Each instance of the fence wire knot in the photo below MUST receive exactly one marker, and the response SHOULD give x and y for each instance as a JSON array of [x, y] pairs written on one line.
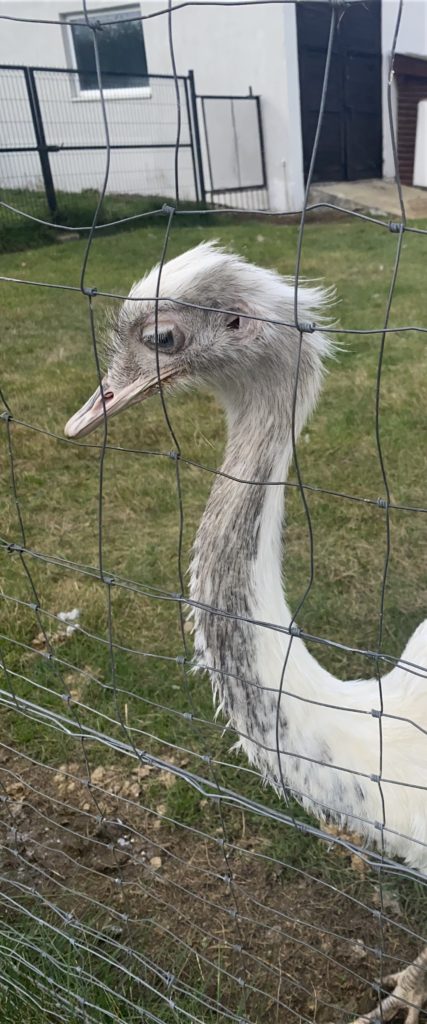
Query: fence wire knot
[[306, 326]]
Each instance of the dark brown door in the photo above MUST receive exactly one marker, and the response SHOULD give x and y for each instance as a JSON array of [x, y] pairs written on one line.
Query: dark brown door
[[350, 144]]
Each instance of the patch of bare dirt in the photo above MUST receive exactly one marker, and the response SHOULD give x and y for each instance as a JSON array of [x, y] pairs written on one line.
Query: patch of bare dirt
[[228, 922]]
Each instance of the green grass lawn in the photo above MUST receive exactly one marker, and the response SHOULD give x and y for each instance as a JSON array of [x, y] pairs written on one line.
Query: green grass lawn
[[74, 210], [48, 370]]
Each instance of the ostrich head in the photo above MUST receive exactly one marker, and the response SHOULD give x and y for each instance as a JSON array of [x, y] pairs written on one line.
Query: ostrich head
[[237, 354]]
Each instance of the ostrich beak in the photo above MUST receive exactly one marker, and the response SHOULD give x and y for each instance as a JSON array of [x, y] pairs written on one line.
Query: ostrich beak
[[91, 414]]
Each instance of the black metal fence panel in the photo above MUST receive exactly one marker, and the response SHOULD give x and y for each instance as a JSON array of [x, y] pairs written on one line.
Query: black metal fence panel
[[52, 134], [52, 139]]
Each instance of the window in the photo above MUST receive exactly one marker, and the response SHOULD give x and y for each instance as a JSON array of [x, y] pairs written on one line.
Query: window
[[121, 50]]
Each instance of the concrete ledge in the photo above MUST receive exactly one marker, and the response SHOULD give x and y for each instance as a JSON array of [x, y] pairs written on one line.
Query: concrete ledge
[[376, 196]]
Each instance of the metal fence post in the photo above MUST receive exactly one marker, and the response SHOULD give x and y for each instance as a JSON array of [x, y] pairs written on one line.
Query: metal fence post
[[42, 148], [191, 132], [261, 139], [198, 148]]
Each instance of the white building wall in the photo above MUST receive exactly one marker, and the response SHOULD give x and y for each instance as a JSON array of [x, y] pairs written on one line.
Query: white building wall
[[230, 49]]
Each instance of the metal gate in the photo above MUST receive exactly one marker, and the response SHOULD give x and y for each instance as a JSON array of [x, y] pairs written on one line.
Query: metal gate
[[48, 142], [234, 151]]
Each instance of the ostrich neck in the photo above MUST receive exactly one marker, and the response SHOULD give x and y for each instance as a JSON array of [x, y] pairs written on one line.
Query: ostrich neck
[[328, 739], [237, 569]]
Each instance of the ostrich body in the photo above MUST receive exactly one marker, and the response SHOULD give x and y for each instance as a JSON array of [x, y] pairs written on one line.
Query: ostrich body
[[329, 749]]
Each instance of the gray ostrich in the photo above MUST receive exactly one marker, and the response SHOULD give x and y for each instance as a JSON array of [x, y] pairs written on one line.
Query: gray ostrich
[[328, 757]]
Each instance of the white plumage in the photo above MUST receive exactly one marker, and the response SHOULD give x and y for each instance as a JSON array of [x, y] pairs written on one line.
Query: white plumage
[[329, 729]]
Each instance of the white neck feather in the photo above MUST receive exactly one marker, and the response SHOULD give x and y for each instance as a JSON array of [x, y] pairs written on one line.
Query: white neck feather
[[328, 753]]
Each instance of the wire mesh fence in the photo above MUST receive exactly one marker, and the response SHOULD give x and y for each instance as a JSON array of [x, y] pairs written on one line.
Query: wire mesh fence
[[237, 118], [147, 871], [53, 135], [52, 140]]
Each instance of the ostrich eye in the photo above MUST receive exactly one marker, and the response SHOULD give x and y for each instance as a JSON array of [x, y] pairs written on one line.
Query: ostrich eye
[[167, 340]]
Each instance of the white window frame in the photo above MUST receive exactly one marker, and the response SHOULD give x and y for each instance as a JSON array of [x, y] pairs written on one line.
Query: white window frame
[[88, 95]]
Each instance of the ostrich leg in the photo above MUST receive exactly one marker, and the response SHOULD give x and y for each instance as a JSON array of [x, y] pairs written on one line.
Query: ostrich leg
[[409, 994]]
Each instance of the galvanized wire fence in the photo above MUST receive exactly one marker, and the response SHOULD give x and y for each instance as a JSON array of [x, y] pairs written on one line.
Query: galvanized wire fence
[[117, 903], [53, 140]]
